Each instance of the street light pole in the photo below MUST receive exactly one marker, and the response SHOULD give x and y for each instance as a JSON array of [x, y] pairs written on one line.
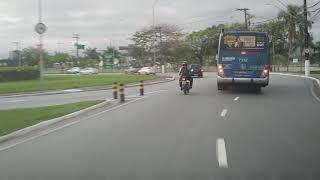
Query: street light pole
[[155, 32], [40, 46]]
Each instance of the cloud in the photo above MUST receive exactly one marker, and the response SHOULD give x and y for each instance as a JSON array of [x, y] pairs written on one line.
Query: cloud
[[100, 21], [9, 19]]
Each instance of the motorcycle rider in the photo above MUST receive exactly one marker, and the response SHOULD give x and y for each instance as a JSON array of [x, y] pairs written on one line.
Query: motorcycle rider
[[184, 71]]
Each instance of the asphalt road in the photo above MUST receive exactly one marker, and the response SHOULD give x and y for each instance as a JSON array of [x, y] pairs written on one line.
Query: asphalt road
[[167, 135]]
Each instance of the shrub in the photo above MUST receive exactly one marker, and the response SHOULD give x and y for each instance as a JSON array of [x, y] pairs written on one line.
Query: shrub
[[18, 73]]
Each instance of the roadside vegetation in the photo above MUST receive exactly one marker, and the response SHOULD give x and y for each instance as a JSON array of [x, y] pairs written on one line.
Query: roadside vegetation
[[60, 82], [15, 119]]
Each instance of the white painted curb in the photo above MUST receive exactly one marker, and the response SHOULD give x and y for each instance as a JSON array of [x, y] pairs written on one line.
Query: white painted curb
[[81, 90], [47, 123]]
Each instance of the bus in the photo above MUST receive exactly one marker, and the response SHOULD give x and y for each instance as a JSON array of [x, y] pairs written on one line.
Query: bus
[[244, 58]]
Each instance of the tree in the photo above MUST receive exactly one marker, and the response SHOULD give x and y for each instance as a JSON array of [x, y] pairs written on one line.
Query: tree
[[316, 56], [91, 53], [160, 38], [30, 56], [293, 20], [59, 58]]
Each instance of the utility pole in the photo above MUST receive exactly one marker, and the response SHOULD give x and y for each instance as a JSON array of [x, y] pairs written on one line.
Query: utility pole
[[245, 15], [306, 38], [76, 36], [18, 52]]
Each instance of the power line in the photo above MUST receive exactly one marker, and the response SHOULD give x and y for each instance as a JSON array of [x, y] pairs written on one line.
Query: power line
[[315, 10], [283, 4], [314, 16], [314, 5]]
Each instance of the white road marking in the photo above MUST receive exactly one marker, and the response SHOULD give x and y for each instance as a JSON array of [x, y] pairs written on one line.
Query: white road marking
[[224, 112], [72, 90], [236, 99], [13, 101], [221, 153], [146, 93], [67, 125]]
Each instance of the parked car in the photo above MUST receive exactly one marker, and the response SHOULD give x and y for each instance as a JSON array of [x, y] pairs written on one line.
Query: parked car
[[131, 70], [89, 71], [147, 70], [74, 70], [196, 70]]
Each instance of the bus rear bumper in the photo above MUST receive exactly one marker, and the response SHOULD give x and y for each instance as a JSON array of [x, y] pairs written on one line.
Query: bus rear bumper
[[258, 81]]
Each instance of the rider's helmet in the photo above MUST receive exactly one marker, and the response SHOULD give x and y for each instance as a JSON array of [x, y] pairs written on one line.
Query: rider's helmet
[[185, 64]]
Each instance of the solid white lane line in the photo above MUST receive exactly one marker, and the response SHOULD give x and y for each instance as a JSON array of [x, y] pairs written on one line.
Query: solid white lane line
[[236, 99], [13, 101], [224, 112], [221, 153]]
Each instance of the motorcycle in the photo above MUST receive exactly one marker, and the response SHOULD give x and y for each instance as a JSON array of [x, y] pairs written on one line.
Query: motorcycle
[[185, 85]]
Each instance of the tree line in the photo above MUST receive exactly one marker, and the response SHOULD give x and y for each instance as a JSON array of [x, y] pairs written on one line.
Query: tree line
[[166, 43]]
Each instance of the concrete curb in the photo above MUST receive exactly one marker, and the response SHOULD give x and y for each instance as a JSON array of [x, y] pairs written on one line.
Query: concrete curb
[[79, 90], [306, 77], [301, 76], [47, 123]]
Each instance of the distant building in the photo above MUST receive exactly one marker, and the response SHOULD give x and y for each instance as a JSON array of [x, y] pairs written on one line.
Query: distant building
[[8, 62]]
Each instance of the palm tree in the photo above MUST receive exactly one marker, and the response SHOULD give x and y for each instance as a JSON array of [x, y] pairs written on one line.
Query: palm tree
[[294, 22]]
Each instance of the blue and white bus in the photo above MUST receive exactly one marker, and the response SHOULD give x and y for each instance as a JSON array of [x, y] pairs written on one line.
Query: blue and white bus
[[244, 57]]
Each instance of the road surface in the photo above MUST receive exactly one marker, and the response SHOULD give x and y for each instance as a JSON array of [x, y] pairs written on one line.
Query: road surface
[[167, 135]]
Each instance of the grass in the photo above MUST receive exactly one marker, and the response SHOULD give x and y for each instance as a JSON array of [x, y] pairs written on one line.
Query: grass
[[15, 119], [60, 82]]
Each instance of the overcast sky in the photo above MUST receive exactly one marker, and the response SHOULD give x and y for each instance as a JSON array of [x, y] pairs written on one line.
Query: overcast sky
[[103, 22]]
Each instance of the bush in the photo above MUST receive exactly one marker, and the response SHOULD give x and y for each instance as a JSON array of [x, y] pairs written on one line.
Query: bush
[[18, 73], [315, 72]]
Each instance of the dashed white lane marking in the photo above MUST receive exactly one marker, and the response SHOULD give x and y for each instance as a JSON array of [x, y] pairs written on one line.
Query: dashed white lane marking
[[221, 153], [224, 113], [236, 99], [13, 101]]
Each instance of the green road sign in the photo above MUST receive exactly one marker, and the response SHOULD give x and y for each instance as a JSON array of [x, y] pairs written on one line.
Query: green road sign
[[108, 66], [80, 46]]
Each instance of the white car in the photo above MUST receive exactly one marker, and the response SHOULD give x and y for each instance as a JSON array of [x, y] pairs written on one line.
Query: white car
[[74, 70], [147, 70], [89, 71]]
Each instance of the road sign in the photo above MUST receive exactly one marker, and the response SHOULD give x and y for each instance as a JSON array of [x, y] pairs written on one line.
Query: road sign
[[108, 66], [80, 46], [40, 28], [307, 51], [295, 60]]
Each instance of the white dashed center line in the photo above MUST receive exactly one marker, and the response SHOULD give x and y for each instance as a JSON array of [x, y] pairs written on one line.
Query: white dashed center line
[[236, 99], [224, 113], [221, 153]]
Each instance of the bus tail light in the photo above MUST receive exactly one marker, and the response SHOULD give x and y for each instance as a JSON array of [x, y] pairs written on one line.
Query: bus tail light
[[220, 70], [265, 71]]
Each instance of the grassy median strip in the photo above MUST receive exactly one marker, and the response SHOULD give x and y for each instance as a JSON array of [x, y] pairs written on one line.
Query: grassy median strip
[[60, 82], [15, 119]]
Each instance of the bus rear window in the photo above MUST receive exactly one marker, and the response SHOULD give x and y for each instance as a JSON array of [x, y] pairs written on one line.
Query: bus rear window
[[243, 42]]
